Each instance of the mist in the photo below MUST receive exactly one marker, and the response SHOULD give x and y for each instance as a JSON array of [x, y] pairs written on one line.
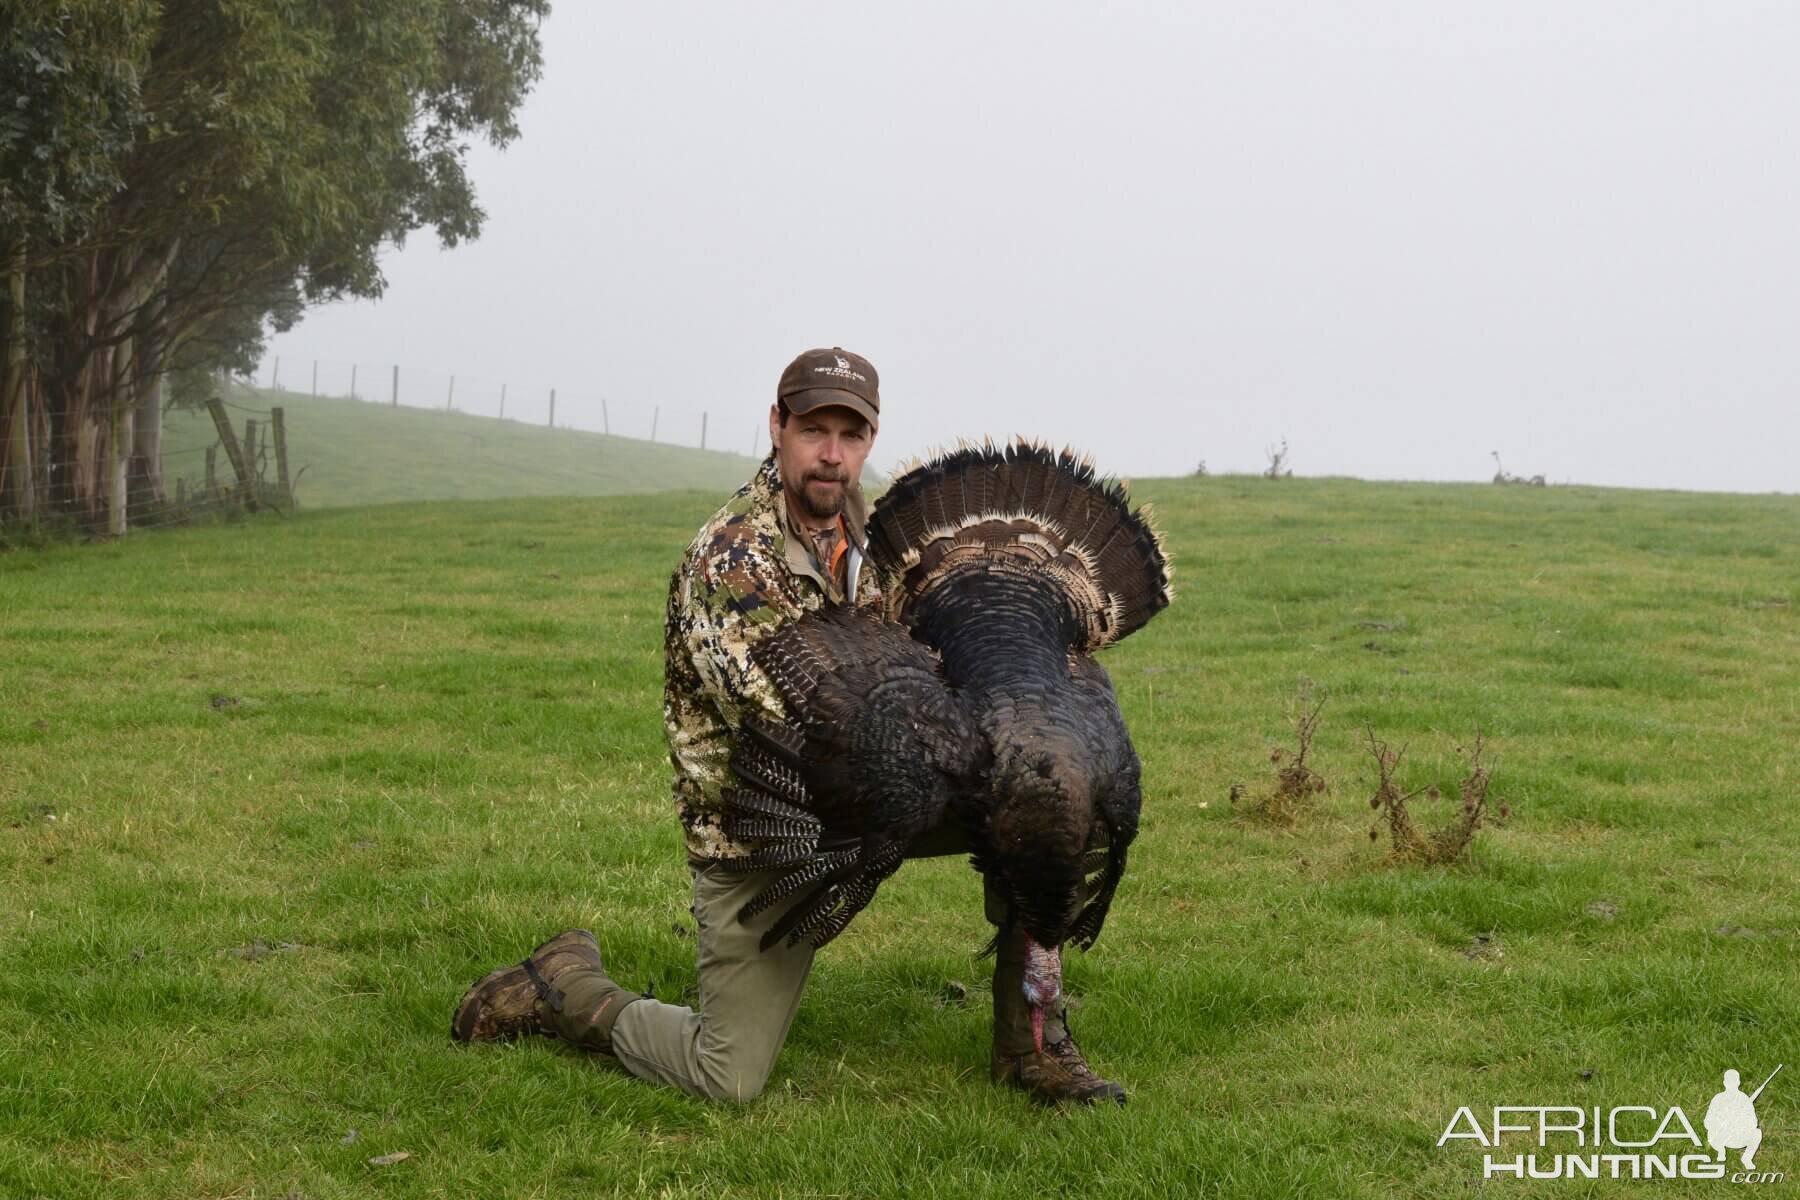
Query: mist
[[1400, 236]]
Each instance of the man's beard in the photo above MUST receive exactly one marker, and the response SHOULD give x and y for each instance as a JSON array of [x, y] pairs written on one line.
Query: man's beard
[[826, 509]]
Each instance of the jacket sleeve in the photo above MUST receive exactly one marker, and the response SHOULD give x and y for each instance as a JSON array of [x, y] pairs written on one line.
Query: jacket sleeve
[[735, 598]]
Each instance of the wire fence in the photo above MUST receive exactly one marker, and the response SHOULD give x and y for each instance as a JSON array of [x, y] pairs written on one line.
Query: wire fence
[[672, 421], [498, 439], [61, 468]]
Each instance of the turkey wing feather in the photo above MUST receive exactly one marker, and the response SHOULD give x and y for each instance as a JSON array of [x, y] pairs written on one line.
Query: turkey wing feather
[[875, 750]]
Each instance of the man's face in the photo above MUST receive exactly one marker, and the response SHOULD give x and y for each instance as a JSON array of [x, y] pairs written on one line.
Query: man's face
[[820, 454]]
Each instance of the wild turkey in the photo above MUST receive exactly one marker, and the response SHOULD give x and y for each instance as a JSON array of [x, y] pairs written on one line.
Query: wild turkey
[[978, 697]]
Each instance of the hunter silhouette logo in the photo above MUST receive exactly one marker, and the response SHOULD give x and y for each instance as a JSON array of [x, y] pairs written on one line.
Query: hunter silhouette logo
[[1731, 1120], [1630, 1141]]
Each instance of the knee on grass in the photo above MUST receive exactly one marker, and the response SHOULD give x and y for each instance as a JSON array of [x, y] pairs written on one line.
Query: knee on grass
[[734, 1080]]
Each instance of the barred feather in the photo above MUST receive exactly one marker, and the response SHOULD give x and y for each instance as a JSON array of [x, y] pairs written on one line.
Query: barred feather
[[769, 829], [825, 916], [803, 919], [1093, 916], [780, 854], [810, 872], [751, 802], [756, 765], [806, 659]]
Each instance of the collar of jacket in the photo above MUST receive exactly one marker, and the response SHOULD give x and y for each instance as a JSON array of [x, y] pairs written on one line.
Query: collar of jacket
[[793, 539]]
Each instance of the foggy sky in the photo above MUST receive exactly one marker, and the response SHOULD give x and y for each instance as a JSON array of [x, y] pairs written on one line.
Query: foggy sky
[[1400, 235]]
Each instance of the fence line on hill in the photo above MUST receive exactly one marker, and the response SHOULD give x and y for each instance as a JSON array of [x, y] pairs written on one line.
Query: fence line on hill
[[671, 422], [148, 485], [73, 474]]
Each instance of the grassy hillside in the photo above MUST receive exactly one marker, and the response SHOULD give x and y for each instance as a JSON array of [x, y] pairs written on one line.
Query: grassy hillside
[[356, 452], [274, 793]]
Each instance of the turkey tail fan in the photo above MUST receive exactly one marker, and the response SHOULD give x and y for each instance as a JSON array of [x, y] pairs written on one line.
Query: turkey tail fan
[[1045, 511]]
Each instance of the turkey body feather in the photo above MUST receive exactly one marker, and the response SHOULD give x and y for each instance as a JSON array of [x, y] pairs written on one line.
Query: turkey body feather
[[977, 700]]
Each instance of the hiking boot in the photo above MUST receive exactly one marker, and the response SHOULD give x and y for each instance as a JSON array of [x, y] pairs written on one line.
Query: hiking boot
[[1087, 1086], [507, 1003], [1039, 1057]]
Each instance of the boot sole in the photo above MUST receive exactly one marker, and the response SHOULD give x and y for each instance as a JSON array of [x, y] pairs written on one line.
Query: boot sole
[[1115, 1093]]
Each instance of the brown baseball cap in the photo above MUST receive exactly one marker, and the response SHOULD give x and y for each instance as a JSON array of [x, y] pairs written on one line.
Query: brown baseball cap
[[824, 377]]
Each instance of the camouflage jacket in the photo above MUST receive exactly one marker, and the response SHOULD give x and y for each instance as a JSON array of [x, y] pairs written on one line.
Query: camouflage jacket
[[745, 573]]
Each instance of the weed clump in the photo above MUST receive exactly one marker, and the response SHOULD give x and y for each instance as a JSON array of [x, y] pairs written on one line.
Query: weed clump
[[1502, 475], [1296, 783], [1449, 842], [1278, 467]]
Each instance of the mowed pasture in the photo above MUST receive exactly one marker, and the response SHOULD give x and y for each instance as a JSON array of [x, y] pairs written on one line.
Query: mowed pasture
[[273, 793]]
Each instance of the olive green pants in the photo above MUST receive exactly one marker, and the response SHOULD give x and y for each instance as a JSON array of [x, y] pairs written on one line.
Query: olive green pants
[[748, 996]]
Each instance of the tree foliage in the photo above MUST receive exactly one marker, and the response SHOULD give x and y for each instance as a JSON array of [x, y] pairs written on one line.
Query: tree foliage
[[178, 175], [68, 111]]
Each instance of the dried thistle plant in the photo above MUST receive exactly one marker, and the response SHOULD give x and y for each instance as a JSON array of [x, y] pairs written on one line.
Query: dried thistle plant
[[1450, 841], [1296, 783]]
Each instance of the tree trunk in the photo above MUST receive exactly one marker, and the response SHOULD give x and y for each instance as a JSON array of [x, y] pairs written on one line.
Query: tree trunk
[[20, 494], [91, 448], [148, 489], [118, 440], [68, 457]]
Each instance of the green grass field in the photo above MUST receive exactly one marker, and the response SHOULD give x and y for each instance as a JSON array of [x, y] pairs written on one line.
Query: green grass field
[[353, 452], [274, 793]]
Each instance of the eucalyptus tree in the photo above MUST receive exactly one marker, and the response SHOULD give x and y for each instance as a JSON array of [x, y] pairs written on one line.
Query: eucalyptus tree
[[69, 74], [273, 148]]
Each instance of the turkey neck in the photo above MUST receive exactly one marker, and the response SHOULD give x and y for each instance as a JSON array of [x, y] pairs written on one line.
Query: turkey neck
[[1022, 634]]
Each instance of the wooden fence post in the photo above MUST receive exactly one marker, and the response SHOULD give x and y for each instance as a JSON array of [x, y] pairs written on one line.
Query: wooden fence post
[[396, 392], [450, 400], [279, 419], [233, 451], [250, 447], [503, 402], [275, 379], [655, 416], [315, 377], [212, 471], [553, 408], [703, 417], [605, 417]]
